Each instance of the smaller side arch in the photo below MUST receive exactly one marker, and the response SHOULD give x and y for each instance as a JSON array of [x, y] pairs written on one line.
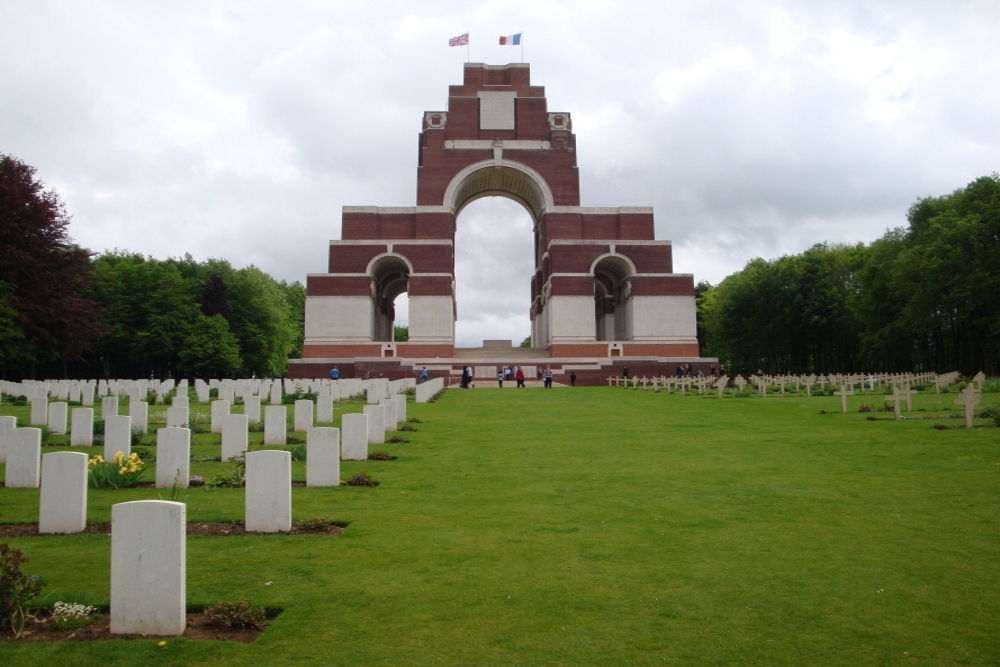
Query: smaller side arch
[[390, 275]]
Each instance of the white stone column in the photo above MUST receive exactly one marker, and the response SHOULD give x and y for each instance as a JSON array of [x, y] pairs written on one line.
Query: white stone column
[[117, 436], [81, 432], [24, 454], [62, 506], [148, 568], [354, 445], [275, 425], [235, 436], [269, 492], [323, 456], [173, 457], [376, 424]]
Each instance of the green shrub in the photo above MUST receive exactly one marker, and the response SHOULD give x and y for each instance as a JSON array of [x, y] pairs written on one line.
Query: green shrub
[[255, 427], [406, 427], [16, 589], [238, 614], [381, 455], [362, 479], [235, 478], [298, 452], [145, 454], [98, 427]]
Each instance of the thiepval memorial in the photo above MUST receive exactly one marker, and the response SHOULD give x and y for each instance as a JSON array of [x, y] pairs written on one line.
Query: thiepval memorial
[[604, 295]]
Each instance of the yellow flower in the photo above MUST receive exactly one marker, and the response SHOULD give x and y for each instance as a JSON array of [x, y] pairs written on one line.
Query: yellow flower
[[162, 643], [119, 458], [123, 470]]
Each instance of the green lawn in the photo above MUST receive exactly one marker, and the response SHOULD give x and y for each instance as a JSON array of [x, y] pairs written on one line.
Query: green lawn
[[599, 526]]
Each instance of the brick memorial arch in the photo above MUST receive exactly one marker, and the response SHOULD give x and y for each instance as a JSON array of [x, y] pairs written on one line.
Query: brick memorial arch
[[604, 294]]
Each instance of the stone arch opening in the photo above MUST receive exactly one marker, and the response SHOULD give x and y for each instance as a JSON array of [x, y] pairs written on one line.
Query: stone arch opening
[[613, 297], [501, 178], [390, 278], [494, 264]]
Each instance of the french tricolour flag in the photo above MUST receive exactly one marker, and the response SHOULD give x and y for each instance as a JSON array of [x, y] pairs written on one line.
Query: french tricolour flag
[[510, 40]]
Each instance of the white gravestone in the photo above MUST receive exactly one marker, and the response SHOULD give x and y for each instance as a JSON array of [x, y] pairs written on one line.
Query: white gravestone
[[117, 436], [276, 393], [173, 457], [57, 417], [148, 568], [7, 424], [235, 438], [400, 408], [843, 393], [323, 457], [968, 399], [62, 506], [251, 408], [139, 412], [354, 437], [179, 401], [268, 492], [390, 414], [178, 417], [81, 432], [427, 390], [39, 411], [24, 458], [220, 409], [303, 415], [376, 424], [109, 406], [87, 396], [324, 409], [275, 425]]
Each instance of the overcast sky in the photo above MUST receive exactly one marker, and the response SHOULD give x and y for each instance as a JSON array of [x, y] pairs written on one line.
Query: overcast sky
[[239, 129]]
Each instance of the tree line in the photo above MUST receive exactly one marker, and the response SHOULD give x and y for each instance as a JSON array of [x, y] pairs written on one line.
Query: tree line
[[921, 297], [67, 313]]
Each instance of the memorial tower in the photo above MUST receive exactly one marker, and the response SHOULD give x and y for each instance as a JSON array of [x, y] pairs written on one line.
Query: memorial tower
[[603, 287]]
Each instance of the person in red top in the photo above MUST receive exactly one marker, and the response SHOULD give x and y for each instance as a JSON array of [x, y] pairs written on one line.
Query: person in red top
[[519, 376]]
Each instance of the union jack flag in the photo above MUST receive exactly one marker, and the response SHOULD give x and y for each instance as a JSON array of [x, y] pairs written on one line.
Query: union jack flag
[[461, 40]]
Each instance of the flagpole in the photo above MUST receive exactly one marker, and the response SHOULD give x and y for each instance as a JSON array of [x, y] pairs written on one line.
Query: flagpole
[[468, 50], [522, 48]]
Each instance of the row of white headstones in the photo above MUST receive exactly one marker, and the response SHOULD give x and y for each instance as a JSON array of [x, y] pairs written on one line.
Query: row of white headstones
[[148, 537], [901, 384]]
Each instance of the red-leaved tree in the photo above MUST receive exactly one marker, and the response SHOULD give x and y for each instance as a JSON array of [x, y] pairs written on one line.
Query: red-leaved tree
[[42, 316]]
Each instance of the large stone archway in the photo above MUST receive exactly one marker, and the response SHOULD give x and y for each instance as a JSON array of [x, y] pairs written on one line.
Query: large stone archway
[[602, 287]]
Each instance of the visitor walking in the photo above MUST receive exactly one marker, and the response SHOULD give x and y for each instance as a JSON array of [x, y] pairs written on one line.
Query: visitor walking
[[547, 375], [519, 376], [572, 378], [424, 375]]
